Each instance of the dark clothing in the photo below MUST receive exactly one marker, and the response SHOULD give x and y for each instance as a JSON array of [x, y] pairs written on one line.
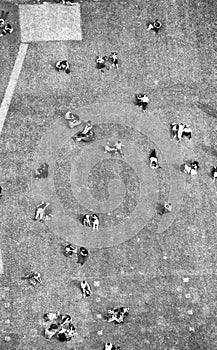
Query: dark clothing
[[82, 255]]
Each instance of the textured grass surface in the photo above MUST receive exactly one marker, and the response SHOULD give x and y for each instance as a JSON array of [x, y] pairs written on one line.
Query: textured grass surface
[[149, 273]]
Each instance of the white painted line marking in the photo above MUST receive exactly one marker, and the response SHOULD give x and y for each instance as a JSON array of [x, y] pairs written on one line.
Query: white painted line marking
[[1, 264], [12, 83]]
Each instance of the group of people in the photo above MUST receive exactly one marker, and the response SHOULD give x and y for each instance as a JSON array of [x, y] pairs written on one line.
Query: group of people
[[59, 326], [117, 148], [5, 28], [117, 315], [105, 62]]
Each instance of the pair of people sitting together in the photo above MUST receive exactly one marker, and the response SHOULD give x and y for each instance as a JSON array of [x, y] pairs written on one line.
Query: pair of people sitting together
[[91, 220], [155, 26], [110, 346], [86, 135], [104, 62], [117, 148], [63, 66], [117, 315], [34, 278], [43, 212], [191, 168], [82, 253], [178, 130], [41, 172], [59, 326]]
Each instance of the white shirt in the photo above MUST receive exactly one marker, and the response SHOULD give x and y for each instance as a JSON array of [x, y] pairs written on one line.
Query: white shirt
[[144, 98]]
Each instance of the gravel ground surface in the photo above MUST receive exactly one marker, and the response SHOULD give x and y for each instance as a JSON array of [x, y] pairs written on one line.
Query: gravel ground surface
[[166, 270]]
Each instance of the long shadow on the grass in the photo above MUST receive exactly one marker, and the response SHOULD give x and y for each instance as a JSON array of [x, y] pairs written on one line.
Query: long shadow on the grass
[[209, 150], [209, 110]]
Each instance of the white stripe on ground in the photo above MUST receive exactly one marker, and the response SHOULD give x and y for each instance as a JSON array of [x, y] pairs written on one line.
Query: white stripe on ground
[[12, 83], [1, 264]]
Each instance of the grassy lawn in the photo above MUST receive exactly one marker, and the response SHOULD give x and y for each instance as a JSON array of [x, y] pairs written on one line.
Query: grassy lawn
[[166, 271]]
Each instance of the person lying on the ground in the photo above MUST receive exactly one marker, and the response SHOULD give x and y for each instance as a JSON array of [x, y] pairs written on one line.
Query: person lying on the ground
[[51, 331], [154, 164], [41, 172], [7, 29], [166, 208], [85, 138]]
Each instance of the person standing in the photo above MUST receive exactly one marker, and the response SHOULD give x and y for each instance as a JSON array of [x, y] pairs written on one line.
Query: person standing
[[82, 255]]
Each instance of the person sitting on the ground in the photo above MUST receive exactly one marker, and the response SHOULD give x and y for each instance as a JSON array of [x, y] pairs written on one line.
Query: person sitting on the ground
[[119, 147], [113, 58], [51, 316], [51, 331], [34, 278], [167, 208], [101, 62], [154, 160], [69, 250], [142, 100], [86, 290], [214, 173], [7, 29], [82, 255], [43, 212], [87, 128], [41, 172], [109, 346], [63, 65], [65, 319], [72, 119], [187, 131], [155, 26]]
